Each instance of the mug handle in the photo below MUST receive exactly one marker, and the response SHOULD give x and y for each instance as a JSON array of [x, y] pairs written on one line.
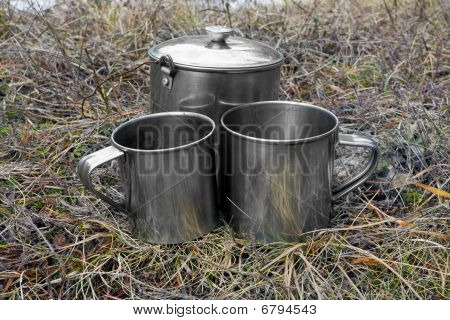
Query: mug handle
[[88, 163], [357, 141]]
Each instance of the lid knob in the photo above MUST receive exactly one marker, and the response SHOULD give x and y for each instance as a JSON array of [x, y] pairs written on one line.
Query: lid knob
[[218, 33]]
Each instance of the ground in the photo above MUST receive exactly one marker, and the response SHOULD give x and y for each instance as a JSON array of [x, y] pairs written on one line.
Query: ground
[[70, 74]]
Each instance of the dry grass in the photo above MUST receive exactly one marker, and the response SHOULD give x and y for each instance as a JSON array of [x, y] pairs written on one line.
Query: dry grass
[[70, 74]]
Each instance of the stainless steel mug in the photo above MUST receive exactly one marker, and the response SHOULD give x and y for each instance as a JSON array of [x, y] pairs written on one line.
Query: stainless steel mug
[[279, 168], [166, 162]]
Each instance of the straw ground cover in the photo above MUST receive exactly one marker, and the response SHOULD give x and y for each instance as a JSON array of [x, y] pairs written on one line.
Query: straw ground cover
[[70, 74]]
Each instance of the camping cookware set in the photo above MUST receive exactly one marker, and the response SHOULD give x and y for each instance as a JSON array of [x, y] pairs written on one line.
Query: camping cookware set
[[217, 140]]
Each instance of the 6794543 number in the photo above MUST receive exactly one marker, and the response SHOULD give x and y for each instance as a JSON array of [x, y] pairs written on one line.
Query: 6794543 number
[[290, 309]]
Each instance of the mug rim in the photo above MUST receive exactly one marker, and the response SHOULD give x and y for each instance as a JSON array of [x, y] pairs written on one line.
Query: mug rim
[[277, 141], [160, 115]]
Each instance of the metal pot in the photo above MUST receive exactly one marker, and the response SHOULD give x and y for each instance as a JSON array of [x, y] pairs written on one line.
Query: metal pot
[[211, 73]]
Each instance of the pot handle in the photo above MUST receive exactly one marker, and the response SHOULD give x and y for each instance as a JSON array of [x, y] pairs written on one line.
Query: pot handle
[[168, 70], [358, 141], [88, 163]]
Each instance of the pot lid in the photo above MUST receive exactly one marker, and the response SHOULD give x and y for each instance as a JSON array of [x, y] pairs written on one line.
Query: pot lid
[[217, 51]]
